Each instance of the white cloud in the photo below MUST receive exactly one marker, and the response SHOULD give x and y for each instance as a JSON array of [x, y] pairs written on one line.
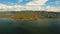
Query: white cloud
[[18, 7], [55, 8], [57, 2], [37, 2], [2, 6], [29, 7], [20, 0], [9, 8], [10, 3]]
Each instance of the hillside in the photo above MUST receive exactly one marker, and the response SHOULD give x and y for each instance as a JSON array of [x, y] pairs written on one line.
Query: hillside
[[34, 15], [26, 16], [29, 15]]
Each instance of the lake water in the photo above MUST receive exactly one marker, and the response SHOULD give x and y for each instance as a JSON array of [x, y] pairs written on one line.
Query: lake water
[[41, 26]]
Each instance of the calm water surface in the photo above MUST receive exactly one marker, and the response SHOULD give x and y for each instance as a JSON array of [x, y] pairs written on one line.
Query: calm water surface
[[41, 26]]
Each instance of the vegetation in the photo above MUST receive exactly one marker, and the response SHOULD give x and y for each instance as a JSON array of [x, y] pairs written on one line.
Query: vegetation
[[29, 15], [26, 16]]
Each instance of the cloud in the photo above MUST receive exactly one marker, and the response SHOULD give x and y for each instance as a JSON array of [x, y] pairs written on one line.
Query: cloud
[[37, 2], [57, 2], [20, 0], [9, 8], [19, 8], [4, 7], [51, 8], [10, 3], [53, 3]]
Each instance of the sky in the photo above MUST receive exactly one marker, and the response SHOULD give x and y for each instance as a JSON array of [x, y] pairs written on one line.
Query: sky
[[49, 5]]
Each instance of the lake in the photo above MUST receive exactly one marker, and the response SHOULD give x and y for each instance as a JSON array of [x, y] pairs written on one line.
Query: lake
[[40, 26]]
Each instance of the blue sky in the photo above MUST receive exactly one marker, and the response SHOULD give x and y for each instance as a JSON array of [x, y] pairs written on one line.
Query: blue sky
[[53, 2], [8, 2], [17, 5], [24, 2]]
